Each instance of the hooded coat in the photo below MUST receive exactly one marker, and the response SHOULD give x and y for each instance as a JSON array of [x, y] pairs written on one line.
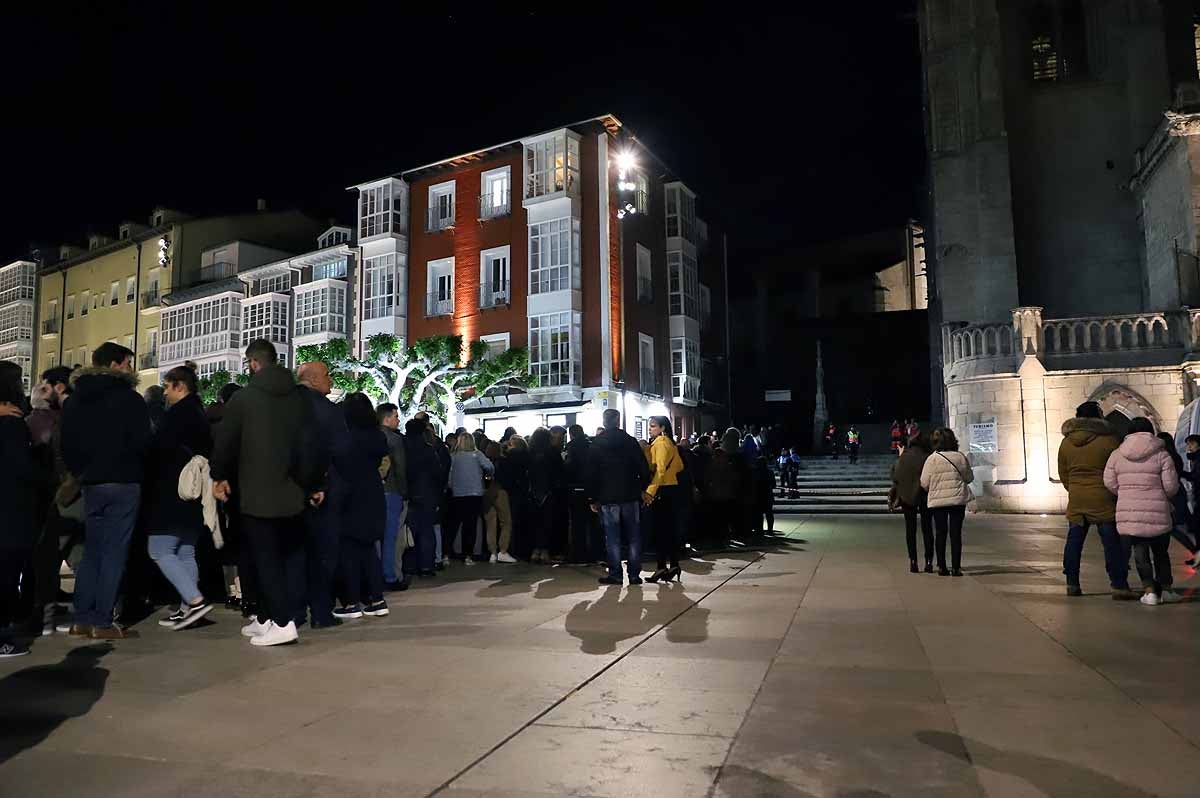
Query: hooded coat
[[105, 428], [1142, 475], [1086, 446], [183, 433]]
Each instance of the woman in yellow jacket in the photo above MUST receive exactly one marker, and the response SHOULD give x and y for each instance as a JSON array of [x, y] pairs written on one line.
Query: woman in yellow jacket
[[662, 498]]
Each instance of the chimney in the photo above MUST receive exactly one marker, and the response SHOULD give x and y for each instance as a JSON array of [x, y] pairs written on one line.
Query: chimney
[[262, 204]]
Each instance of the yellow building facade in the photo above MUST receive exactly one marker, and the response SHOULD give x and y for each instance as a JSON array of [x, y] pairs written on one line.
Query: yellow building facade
[[113, 290]]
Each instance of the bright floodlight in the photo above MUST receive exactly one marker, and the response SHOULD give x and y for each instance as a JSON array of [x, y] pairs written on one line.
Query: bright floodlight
[[625, 160]]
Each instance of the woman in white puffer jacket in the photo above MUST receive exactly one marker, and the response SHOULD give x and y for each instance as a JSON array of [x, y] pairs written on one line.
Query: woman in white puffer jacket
[[946, 476]]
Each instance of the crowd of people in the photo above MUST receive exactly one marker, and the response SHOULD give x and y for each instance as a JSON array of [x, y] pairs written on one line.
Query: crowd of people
[[1130, 490], [298, 510]]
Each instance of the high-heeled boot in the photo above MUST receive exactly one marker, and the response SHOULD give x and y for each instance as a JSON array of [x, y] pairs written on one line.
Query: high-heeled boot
[[657, 575]]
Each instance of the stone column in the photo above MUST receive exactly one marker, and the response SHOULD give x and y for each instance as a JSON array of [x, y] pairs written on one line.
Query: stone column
[[1027, 324]]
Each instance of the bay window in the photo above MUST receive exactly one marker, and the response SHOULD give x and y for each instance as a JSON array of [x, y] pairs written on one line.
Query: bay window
[[555, 357], [553, 256], [683, 284], [322, 310], [552, 165], [380, 210], [681, 212], [685, 369], [379, 286]]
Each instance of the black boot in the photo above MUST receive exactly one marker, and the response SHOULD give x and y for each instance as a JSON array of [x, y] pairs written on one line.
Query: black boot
[[657, 575], [929, 566], [912, 567]]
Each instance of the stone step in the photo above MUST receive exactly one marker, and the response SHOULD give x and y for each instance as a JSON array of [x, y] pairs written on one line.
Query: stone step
[[831, 500], [838, 491], [831, 509]]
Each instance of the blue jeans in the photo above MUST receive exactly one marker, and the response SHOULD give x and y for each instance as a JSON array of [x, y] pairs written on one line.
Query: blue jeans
[[391, 531], [312, 585], [175, 555], [1116, 563], [420, 521], [111, 510], [615, 518]]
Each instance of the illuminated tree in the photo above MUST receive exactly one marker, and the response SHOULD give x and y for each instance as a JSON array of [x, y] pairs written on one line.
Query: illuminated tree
[[428, 375]]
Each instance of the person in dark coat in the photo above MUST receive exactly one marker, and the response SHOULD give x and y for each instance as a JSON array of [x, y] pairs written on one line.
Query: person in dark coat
[[425, 486], [18, 489], [546, 481], [910, 496], [512, 472], [267, 437], [237, 562], [362, 520], [726, 484], [616, 479], [174, 524], [105, 433], [587, 542]]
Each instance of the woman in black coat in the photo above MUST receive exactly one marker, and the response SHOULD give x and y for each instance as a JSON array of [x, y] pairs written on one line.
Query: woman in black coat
[[365, 511], [546, 481], [174, 525], [18, 487]]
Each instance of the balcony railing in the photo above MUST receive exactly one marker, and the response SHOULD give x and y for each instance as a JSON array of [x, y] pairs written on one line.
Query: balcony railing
[[50, 326], [434, 220], [151, 298], [437, 305], [149, 360], [645, 290], [492, 296], [649, 381], [221, 270], [492, 206]]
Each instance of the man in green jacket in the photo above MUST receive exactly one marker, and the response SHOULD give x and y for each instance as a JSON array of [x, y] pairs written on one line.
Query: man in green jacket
[[258, 440], [1087, 443]]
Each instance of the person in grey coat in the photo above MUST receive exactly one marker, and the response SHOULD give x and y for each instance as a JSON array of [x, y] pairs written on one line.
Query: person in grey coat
[[910, 496], [468, 467]]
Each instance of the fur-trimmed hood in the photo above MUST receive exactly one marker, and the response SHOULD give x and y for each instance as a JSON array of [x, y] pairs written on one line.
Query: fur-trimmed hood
[[90, 383], [1082, 431]]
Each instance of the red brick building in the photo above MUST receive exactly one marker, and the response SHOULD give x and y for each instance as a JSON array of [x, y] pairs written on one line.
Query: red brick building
[[577, 243]]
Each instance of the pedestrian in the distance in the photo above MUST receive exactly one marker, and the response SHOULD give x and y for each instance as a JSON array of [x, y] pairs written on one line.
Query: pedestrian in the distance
[[1141, 474], [853, 440], [947, 476]]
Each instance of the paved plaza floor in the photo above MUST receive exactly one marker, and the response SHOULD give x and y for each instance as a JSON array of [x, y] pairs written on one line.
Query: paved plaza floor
[[817, 667]]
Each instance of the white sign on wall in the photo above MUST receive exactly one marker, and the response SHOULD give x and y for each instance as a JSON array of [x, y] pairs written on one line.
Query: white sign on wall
[[779, 396], [983, 437]]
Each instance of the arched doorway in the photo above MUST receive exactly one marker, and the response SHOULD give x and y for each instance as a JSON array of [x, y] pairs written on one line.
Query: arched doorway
[[1120, 405]]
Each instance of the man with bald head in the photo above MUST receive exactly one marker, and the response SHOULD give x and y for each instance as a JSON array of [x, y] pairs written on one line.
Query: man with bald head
[[322, 519]]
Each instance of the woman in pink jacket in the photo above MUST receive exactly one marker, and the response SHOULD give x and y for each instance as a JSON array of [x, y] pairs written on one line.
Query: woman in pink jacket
[[1144, 479]]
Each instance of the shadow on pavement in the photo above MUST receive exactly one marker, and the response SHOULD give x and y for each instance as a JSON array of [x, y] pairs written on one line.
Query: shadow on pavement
[[1050, 776], [621, 615], [735, 781], [37, 700]]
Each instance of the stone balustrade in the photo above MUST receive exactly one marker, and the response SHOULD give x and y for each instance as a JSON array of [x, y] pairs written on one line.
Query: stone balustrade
[[975, 341], [1132, 332]]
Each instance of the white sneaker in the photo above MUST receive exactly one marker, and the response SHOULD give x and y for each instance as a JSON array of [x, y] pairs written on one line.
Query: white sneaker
[[504, 556], [254, 628], [446, 561], [1169, 596], [276, 635], [1150, 600], [468, 561], [492, 560]]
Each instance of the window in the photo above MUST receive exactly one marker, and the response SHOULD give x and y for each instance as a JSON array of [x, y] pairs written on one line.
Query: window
[[683, 284], [16, 283], [639, 428], [641, 193], [553, 256], [551, 165], [493, 278], [52, 310], [323, 310], [114, 293], [71, 306], [379, 286], [681, 212], [265, 319], [685, 369], [1058, 41], [16, 323], [497, 344], [51, 360], [199, 328], [441, 288], [152, 342], [494, 193], [331, 270], [130, 289], [380, 210], [129, 342], [96, 301], [333, 238], [647, 373], [441, 206], [645, 279], [83, 357], [85, 303], [554, 354], [279, 284]]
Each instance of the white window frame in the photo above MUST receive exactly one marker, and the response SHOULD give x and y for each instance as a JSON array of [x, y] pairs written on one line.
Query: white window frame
[[130, 289], [495, 192], [548, 272], [85, 302], [641, 192], [320, 271], [683, 285], [551, 164], [645, 274], [70, 306], [555, 360], [441, 215], [491, 294], [114, 293], [680, 216], [439, 295], [497, 338], [320, 310], [646, 344], [378, 213], [379, 286], [685, 375]]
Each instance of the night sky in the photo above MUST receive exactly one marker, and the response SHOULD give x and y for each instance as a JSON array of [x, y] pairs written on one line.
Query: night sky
[[792, 129]]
